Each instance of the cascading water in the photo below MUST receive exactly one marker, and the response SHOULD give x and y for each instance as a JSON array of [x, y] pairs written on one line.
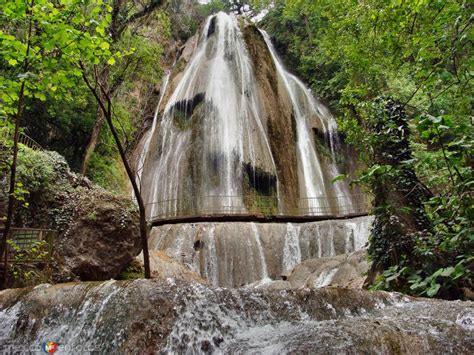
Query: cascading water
[[233, 129], [214, 145], [235, 254], [306, 107], [210, 129]]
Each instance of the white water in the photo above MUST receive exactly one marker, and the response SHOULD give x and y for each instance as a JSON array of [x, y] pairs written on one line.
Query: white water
[[264, 268], [236, 254], [305, 106], [291, 249], [213, 134], [325, 278], [214, 127], [203, 156]]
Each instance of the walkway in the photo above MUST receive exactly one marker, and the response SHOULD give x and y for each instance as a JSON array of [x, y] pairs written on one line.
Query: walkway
[[255, 209]]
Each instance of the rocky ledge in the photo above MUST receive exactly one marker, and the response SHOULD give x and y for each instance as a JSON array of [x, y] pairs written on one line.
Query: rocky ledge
[[165, 315]]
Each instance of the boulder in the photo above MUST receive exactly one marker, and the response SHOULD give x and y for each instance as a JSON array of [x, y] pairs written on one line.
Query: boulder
[[97, 232], [164, 267], [345, 270], [101, 239]]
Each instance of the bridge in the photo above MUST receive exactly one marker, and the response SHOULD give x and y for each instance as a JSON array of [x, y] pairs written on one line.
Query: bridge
[[262, 209]]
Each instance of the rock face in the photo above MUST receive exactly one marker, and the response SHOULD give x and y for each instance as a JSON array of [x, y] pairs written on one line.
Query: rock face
[[98, 233], [159, 316], [235, 254]]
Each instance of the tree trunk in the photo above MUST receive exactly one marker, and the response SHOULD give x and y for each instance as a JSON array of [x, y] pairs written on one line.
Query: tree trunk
[[136, 189], [12, 185], [117, 25], [105, 103], [99, 122]]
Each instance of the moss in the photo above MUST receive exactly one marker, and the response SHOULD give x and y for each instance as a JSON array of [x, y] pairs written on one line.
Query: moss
[[186, 111], [259, 197], [179, 67], [108, 172], [133, 271]]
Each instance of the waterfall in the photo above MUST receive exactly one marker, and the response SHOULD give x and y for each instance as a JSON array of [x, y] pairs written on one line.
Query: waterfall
[[236, 254], [306, 106], [263, 266], [211, 127], [291, 249], [212, 145], [234, 130]]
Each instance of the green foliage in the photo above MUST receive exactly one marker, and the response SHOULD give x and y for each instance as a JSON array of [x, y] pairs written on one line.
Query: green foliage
[[41, 43], [214, 6], [417, 53], [37, 169], [22, 270], [34, 169], [59, 111], [106, 170]]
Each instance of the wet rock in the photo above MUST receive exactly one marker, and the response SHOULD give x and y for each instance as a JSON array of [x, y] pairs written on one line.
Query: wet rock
[[237, 253], [345, 270], [162, 266], [150, 316]]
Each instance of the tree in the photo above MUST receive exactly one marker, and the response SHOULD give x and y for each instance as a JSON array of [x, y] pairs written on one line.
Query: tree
[[415, 54], [104, 100], [125, 13], [41, 42]]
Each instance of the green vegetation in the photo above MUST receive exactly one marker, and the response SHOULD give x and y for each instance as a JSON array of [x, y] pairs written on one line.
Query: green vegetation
[[58, 110], [419, 55], [30, 265], [397, 74], [132, 271]]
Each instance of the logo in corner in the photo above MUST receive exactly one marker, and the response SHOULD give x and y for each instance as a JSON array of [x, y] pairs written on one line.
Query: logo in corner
[[50, 347]]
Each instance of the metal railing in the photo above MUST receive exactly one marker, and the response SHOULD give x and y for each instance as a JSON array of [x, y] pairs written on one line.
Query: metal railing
[[22, 139], [330, 206], [25, 239]]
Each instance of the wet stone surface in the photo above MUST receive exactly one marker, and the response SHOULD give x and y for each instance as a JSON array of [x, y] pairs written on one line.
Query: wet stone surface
[[173, 317]]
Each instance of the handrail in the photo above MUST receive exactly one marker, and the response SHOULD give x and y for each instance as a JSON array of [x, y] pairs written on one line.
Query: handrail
[[23, 139], [25, 238], [327, 206]]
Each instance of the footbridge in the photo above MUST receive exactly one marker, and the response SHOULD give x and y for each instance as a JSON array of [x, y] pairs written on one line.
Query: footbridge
[[262, 209]]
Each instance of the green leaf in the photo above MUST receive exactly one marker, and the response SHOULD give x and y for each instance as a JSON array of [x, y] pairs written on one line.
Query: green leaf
[[339, 177], [104, 45], [447, 271], [433, 290], [111, 61]]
